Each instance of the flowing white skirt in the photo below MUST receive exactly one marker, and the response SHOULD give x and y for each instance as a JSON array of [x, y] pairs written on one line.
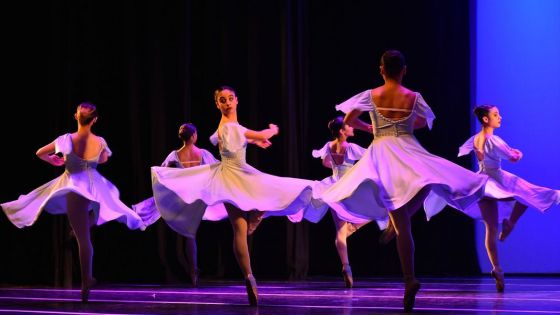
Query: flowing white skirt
[[317, 209], [507, 189], [51, 197], [393, 171], [203, 188]]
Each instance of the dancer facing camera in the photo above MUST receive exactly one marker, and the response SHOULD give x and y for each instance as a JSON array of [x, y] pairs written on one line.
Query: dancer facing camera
[[249, 194]]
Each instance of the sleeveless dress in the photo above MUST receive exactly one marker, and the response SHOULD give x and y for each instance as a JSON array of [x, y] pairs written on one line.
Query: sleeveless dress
[[503, 186], [233, 181], [169, 205], [317, 209], [81, 177], [395, 167]]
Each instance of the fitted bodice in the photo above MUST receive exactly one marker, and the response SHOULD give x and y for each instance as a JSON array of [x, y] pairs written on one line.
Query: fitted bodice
[[75, 164], [383, 126], [172, 160], [495, 150], [353, 153], [232, 143]]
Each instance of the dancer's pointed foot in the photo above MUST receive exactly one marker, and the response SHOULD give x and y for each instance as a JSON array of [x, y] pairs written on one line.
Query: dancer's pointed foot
[[507, 227], [86, 288], [347, 274], [498, 275], [254, 218], [388, 234], [252, 294], [410, 290], [71, 234], [194, 277]]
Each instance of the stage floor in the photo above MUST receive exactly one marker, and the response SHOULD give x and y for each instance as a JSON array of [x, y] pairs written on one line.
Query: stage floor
[[530, 295]]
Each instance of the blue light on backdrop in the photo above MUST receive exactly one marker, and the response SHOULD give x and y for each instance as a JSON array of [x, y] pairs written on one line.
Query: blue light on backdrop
[[517, 68]]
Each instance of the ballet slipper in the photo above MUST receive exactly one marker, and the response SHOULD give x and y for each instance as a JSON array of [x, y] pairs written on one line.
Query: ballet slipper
[[499, 277], [507, 227], [347, 274], [86, 289], [252, 293], [410, 290]]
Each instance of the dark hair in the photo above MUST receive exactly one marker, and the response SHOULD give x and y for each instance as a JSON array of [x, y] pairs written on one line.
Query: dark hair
[[393, 62], [335, 125], [186, 131], [86, 113], [221, 88], [482, 111]]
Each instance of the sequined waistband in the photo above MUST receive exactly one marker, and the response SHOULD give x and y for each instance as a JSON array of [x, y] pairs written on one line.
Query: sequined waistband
[[391, 133]]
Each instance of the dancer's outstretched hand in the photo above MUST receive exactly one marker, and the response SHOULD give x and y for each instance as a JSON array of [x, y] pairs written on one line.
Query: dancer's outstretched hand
[[517, 155], [274, 128], [262, 143]]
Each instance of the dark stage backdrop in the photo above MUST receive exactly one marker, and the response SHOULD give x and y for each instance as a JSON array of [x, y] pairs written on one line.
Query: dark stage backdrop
[[152, 66]]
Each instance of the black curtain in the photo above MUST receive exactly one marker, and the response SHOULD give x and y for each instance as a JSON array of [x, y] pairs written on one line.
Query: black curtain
[[152, 66]]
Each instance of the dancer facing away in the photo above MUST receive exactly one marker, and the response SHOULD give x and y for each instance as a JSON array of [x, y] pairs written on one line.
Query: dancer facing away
[[396, 172], [338, 155], [506, 196], [80, 192], [248, 193], [166, 204]]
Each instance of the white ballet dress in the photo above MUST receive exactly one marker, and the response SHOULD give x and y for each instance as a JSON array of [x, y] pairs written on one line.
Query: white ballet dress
[[395, 167], [507, 188], [234, 181], [317, 209], [81, 177], [169, 205]]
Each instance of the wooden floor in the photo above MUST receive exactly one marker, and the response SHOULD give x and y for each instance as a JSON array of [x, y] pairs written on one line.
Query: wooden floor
[[523, 295]]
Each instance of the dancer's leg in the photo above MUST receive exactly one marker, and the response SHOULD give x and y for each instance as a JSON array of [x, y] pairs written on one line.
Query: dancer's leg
[[238, 221], [254, 218], [405, 245], [191, 252], [343, 230], [509, 224], [341, 248], [187, 253], [489, 211], [79, 219]]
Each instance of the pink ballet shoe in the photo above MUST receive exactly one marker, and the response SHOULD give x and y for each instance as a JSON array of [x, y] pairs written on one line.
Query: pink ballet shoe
[[507, 227], [499, 277], [410, 291], [252, 293], [254, 219], [347, 274], [86, 289]]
